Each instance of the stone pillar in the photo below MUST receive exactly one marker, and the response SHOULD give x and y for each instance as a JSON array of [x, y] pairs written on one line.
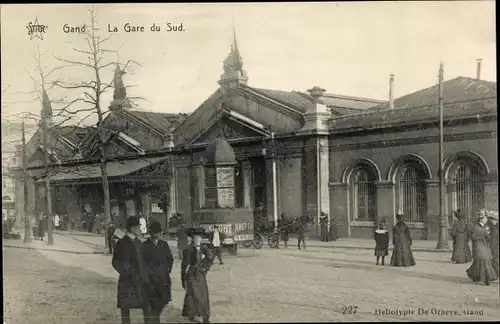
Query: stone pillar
[[200, 186], [310, 178], [433, 209], [270, 188], [339, 210], [31, 199], [323, 177], [172, 199], [146, 204], [247, 184], [386, 203], [491, 195]]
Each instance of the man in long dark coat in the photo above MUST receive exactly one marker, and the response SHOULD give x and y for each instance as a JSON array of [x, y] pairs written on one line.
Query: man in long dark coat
[[159, 261], [460, 233], [401, 239], [133, 283], [196, 262], [323, 223], [182, 239]]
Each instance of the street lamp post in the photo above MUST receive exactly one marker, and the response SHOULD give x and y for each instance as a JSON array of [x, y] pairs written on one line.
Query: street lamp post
[[443, 219], [272, 155]]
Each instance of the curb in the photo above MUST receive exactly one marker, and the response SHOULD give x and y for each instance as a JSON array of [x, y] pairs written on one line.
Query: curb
[[52, 250], [95, 246], [371, 248]]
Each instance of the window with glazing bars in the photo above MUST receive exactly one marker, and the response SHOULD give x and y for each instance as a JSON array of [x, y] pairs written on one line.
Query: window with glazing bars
[[413, 195], [365, 200], [469, 190]]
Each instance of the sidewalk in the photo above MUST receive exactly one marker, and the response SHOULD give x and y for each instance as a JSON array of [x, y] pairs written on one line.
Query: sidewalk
[[61, 244], [97, 240]]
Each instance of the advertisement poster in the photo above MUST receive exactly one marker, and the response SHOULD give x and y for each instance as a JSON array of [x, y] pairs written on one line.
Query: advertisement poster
[[225, 177]]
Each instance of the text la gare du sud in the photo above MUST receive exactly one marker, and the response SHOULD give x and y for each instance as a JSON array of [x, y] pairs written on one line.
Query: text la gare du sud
[[128, 28]]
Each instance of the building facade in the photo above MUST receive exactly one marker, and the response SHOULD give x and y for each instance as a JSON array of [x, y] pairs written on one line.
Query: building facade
[[358, 160]]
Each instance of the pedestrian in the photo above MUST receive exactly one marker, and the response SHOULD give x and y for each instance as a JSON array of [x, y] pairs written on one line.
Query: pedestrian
[[283, 226], [41, 227], [196, 262], [90, 222], [481, 269], [493, 220], [381, 237], [133, 283], [144, 224], [159, 261], [323, 222], [216, 238], [460, 234], [301, 229], [401, 240], [57, 222], [110, 230]]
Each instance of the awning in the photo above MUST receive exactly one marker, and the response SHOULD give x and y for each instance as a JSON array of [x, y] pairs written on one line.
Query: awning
[[93, 171]]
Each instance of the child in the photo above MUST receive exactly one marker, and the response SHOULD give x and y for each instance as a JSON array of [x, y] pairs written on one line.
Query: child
[[381, 242]]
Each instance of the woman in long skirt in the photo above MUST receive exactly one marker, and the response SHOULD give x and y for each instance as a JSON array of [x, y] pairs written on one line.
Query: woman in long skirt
[[481, 269], [196, 262], [493, 225], [401, 239], [461, 236]]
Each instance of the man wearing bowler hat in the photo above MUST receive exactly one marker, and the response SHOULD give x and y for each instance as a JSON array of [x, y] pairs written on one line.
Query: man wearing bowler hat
[[133, 283], [159, 261]]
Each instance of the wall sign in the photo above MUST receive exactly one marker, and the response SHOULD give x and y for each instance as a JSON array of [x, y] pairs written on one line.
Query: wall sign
[[225, 177], [225, 197]]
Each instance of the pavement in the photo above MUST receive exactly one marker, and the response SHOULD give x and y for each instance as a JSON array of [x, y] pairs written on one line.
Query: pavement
[[97, 240], [267, 285]]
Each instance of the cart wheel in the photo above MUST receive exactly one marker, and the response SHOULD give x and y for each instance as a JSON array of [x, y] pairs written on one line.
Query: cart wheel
[[248, 244], [271, 241], [258, 241]]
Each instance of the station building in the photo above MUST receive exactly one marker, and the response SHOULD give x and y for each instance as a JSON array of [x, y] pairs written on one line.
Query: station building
[[359, 160]]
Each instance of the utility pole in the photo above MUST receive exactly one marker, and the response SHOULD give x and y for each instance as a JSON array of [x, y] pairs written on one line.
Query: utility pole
[[443, 219], [48, 208], [27, 236]]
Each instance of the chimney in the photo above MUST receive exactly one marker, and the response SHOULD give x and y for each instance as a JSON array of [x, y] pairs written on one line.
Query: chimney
[[478, 77], [391, 92], [316, 92], [317, 114]]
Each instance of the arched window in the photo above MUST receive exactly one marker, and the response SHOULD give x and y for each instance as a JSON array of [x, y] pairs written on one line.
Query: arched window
[[364, 194], [469, 187], [412, 192]]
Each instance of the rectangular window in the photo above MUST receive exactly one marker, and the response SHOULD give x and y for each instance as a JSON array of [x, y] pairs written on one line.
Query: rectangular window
[[210, 187]]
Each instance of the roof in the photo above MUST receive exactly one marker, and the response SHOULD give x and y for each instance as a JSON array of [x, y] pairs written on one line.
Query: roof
[[383, 118], [161, 122], [455, 90], [92, 171], [220, 151], [301, 100], [74, 134]]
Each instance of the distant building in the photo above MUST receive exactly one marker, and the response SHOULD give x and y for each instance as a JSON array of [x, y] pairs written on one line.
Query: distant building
[[359, 160]]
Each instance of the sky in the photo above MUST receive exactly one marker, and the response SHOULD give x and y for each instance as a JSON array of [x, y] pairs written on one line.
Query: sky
[[346, 48]]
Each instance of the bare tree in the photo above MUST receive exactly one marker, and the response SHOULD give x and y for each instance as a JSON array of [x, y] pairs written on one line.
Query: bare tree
[[94, 89]]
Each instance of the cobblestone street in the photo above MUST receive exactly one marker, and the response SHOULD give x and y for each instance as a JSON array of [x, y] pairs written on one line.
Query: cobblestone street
[[256, 286]]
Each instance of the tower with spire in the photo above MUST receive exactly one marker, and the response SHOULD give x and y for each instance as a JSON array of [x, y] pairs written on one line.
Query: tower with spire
[[46, 112], [233, 67], [120, 99]]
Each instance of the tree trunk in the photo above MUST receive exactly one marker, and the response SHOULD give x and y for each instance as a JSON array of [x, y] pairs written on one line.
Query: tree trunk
[[48, 196]]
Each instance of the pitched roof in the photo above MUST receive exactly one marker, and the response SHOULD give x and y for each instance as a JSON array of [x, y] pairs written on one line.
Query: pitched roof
[[455, 90], [161, 122], [74, 134], [301, 100], [388, 117]]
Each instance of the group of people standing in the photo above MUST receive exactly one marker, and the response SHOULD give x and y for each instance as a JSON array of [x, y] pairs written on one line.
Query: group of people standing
[[484, 237], [483, 234], [402, 256], [145, 265]]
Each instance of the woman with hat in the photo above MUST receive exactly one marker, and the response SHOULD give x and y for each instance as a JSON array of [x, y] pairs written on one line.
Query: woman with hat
[[481, 269], [401, 240], [196, 262], [461, 236], [493, 225], [159, 261], [133, 282]]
